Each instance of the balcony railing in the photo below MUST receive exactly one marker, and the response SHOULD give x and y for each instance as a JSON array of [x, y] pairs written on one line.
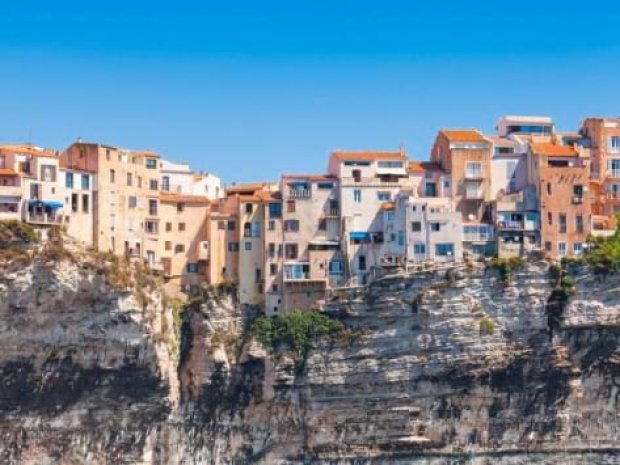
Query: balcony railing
[[513, 225], [577, 199], [300, 193], [474, 194], [44, 218], [474, 175], [11, 191]]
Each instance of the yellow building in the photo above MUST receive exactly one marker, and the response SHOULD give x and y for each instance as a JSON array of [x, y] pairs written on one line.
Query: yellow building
[[184, 246]]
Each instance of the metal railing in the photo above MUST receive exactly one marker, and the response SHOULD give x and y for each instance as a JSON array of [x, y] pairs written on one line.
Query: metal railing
[[300, 193]]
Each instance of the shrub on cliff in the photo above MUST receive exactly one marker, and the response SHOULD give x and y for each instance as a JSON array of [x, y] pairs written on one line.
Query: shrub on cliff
[[297, 330], [13, 231]]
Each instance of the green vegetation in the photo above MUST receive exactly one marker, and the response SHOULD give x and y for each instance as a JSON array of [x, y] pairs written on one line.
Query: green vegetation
[[563, 289], [506, 266], [296, 331], [487, 325], [603, 256], [13, 231]]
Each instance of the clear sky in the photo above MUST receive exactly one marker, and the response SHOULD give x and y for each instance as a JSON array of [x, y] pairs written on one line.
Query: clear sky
[[249, 90]]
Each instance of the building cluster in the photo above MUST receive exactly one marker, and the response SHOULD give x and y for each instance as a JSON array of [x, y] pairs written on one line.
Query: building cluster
[[526, 189]]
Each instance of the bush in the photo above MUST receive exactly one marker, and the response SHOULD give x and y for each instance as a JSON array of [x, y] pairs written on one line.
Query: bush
[[16, 231], [487, 325], [505, 266], [297, 331]]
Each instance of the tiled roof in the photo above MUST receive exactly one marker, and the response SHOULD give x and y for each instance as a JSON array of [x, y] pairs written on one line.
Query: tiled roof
[[251, 187], [310, 177], [170, 197], [368, 155], [8, 172], [553, 149], [463, 135], [388, 206], [29, 150], [503, 142], [421, 167]]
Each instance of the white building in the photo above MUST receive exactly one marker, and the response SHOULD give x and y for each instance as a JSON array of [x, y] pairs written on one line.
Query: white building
[[179, 178]]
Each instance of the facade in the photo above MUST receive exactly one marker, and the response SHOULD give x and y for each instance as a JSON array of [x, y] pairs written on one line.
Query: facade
[[184, 242], [561, 178], [466, 156], [78, 189], [517, 223], [366, 181]]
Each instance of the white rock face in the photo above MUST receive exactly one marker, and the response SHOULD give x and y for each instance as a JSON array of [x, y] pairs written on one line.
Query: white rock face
[[442, 368]]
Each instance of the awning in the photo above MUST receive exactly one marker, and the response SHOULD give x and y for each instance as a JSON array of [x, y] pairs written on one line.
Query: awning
[[51, 204], [359, 236]]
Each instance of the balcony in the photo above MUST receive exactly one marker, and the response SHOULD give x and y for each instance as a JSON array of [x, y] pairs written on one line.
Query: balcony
[[474, 175], [474, 194], [299, 193], [511, 225], [10, 191], [44, 218]]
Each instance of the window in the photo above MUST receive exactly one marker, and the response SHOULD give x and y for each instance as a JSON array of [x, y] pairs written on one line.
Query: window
[[562, 221], [107, 154], [168, 245], [401, 238], [383, 196], [180, 207], [181, 226], [69, 180], [273, 269], [579, 223], [430, 189], [361, 262], [548, 188], [85, 203], [139, 182], [291, 225], [129, 179], [275, 210], [390, 164], [435, 227], [191, 268], [419, 249], [150, 226], [271, 250], [248, 245], [357, 195], [473, 169], [152, 207], [255, 229], [233, 247], [444, 250], [416, 226], [153, 184], [446, 184], [231, 225], [249, 208], [550, 218], [48, 173], [389, 215], [290, 251], [179, 248], [85, 182], [165, 183], [325, 185], [221, 225], [151, 163], [336, 267], [357, 175], [271, 225], [290, 206], [356, 163], [613, 167], [247, 229], [578, 190], [74, 202], [561, 249], [132, 201], [577, 248], [168, 226], [112, 176], [613, 144], [548, 246], [322, 224]]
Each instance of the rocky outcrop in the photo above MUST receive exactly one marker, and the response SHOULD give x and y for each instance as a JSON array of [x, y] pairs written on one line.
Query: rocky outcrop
[[449, 366]]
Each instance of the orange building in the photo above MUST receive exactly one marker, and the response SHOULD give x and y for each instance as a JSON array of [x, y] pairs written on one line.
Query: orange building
[[561, 179]]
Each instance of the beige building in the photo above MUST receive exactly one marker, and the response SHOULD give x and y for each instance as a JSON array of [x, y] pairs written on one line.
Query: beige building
[[78, 192], [184, 244], [126, 204]]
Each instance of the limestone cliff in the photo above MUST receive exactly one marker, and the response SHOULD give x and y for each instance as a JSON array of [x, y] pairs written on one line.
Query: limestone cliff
[[448, 366]]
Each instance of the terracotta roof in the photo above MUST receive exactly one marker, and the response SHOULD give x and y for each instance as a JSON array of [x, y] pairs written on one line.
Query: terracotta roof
[[29, 150], [388, 206], [251, 187], [8, 172], [415, 167], [503, 142], [169, 197], [463, 135], [267, 196], [368, 155], [550, 149]]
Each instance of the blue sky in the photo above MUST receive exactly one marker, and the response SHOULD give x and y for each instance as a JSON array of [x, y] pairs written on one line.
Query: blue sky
[[254, 89]]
